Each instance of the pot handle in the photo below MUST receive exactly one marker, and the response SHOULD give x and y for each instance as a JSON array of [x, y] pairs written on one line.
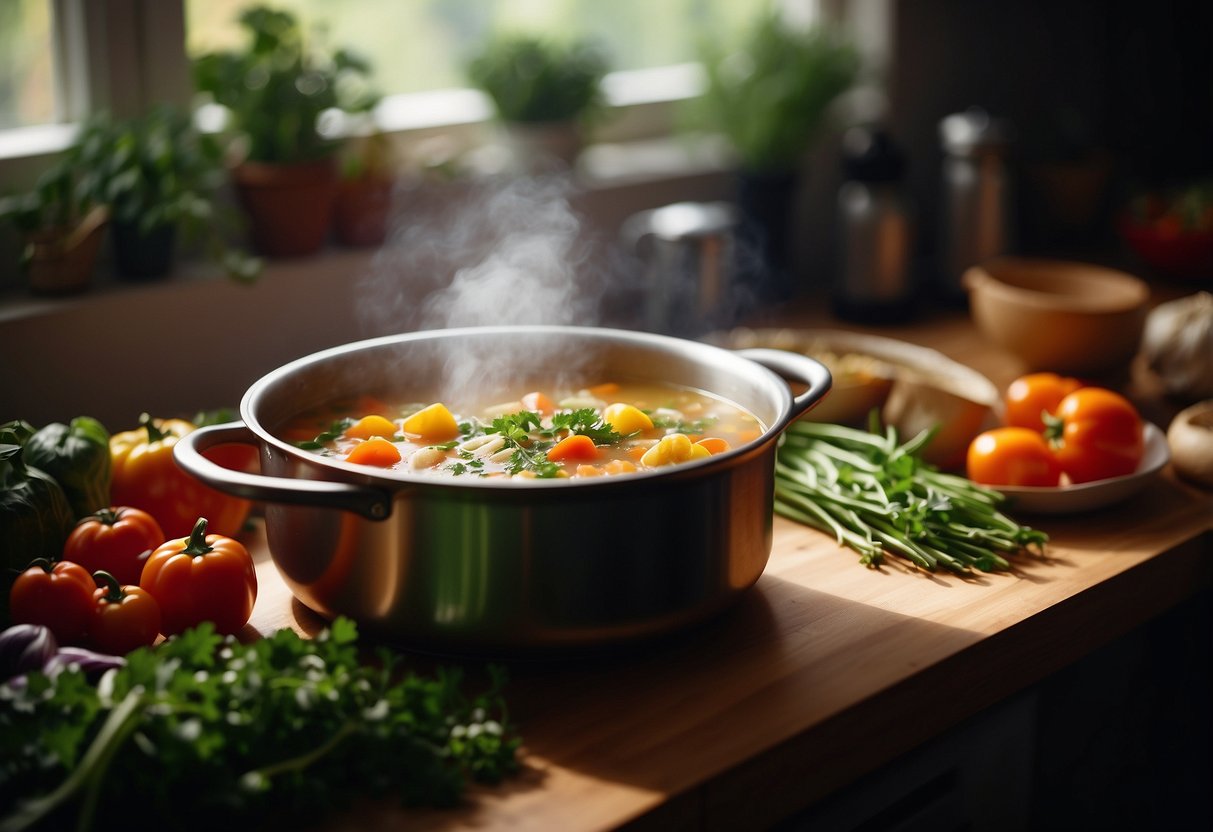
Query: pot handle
[[371, 503], [798, 368]]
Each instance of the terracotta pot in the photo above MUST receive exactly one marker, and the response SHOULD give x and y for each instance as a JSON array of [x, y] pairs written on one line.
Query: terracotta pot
[[290, 206], [361, 211], [61, 261]]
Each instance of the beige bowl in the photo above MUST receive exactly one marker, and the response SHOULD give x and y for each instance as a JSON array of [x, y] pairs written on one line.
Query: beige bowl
[[1056, 315]]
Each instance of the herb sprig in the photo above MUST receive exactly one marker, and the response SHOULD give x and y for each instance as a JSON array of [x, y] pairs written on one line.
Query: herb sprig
[[529, 439], [203, 730]]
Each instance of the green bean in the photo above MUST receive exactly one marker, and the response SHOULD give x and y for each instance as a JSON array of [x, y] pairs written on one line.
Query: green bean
[[877, 496]]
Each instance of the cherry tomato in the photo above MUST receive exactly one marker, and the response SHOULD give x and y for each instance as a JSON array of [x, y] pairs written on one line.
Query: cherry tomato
[[201, 578], [1029, 396], [1097, 434], [116, 540], [58, 596], [1012, 456], [124, 617]]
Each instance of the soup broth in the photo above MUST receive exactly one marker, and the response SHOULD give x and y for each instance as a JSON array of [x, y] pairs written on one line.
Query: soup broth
[[603, 430]]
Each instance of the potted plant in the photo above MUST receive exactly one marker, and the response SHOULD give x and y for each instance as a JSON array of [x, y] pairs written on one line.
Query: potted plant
[[61, 230], [769, 97], [544, 92], [364, 191], [276, 89], [157, 174]]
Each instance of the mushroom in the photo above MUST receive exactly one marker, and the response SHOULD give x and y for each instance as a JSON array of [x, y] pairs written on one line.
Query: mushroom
[[1190, 436]]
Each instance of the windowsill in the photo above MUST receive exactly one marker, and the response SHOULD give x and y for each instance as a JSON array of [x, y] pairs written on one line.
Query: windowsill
[[615, 178]]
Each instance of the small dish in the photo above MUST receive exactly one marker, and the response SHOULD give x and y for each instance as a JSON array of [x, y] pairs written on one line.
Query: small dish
[[1088, 496]]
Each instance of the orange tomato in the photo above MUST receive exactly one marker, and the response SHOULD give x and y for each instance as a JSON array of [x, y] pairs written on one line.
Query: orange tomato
[[116, 540], [1097, 435], [1012, 456], [124, 617], [1029, 396], [201, 578]]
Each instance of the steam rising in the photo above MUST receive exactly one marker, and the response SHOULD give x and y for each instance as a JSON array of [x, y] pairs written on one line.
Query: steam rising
[[509, 251]]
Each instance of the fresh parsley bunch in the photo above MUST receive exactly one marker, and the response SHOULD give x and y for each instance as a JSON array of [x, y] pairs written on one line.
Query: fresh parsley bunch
[[203, 730]]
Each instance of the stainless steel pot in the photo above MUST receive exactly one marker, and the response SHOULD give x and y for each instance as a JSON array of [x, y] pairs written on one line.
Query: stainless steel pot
[[486, 566]]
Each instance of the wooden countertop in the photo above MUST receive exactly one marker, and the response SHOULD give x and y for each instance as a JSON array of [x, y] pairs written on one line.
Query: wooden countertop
[[823, 672]]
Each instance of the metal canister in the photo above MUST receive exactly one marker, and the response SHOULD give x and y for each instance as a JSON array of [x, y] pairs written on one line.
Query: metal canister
[[688, 254], [976, 199]]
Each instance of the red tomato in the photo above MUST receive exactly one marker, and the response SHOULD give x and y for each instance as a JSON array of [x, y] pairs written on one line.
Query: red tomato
[[116, 540], [59, 597], [201, 578], [1029, 396], [124, 617], [1097, 435], [1012, 456]]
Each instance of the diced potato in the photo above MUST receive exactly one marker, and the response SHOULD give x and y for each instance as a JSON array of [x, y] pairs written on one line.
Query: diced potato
[[627, 418], [672, 449], [369, 426], [619, 466], [589, 471], [434, 423]]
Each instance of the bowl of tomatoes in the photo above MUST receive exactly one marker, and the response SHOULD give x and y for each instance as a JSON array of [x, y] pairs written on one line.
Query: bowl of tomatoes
[[1064, 447], [1172, 233]]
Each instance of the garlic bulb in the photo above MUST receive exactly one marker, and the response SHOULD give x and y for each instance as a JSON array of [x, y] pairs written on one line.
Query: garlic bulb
[[1177, 344]]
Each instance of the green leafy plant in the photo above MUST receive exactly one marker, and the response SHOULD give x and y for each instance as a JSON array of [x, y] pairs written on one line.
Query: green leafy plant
[[770, 95], [55, 202], [277, 87], [533, 80], [202, 732], [159, 171]]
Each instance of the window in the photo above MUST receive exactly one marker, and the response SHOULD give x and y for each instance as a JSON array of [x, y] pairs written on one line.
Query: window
[[27, 82], [422, 45]]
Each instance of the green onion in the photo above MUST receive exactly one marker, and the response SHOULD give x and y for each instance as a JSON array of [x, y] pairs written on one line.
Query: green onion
[[877, 496]]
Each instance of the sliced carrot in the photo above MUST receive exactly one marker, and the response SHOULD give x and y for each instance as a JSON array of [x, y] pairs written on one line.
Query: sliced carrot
[[637, 451], [748, 436], [573, 447], [375, 451], [538, 402], [370, 404], [604, 389], [714, 444], [369, 426]]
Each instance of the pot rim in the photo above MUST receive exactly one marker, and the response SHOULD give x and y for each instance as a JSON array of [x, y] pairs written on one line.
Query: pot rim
[[698, 351]]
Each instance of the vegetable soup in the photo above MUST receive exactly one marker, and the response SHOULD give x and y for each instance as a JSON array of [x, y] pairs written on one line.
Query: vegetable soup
[[604, 430]]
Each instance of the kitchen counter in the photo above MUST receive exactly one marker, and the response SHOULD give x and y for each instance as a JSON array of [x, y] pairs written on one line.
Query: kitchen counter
[[824, 672]]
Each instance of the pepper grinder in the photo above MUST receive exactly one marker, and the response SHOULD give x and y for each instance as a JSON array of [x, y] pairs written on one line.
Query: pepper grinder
[[873, 281]]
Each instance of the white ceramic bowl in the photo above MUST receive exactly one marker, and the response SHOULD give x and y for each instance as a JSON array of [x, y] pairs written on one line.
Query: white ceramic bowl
[[1088, 496]]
